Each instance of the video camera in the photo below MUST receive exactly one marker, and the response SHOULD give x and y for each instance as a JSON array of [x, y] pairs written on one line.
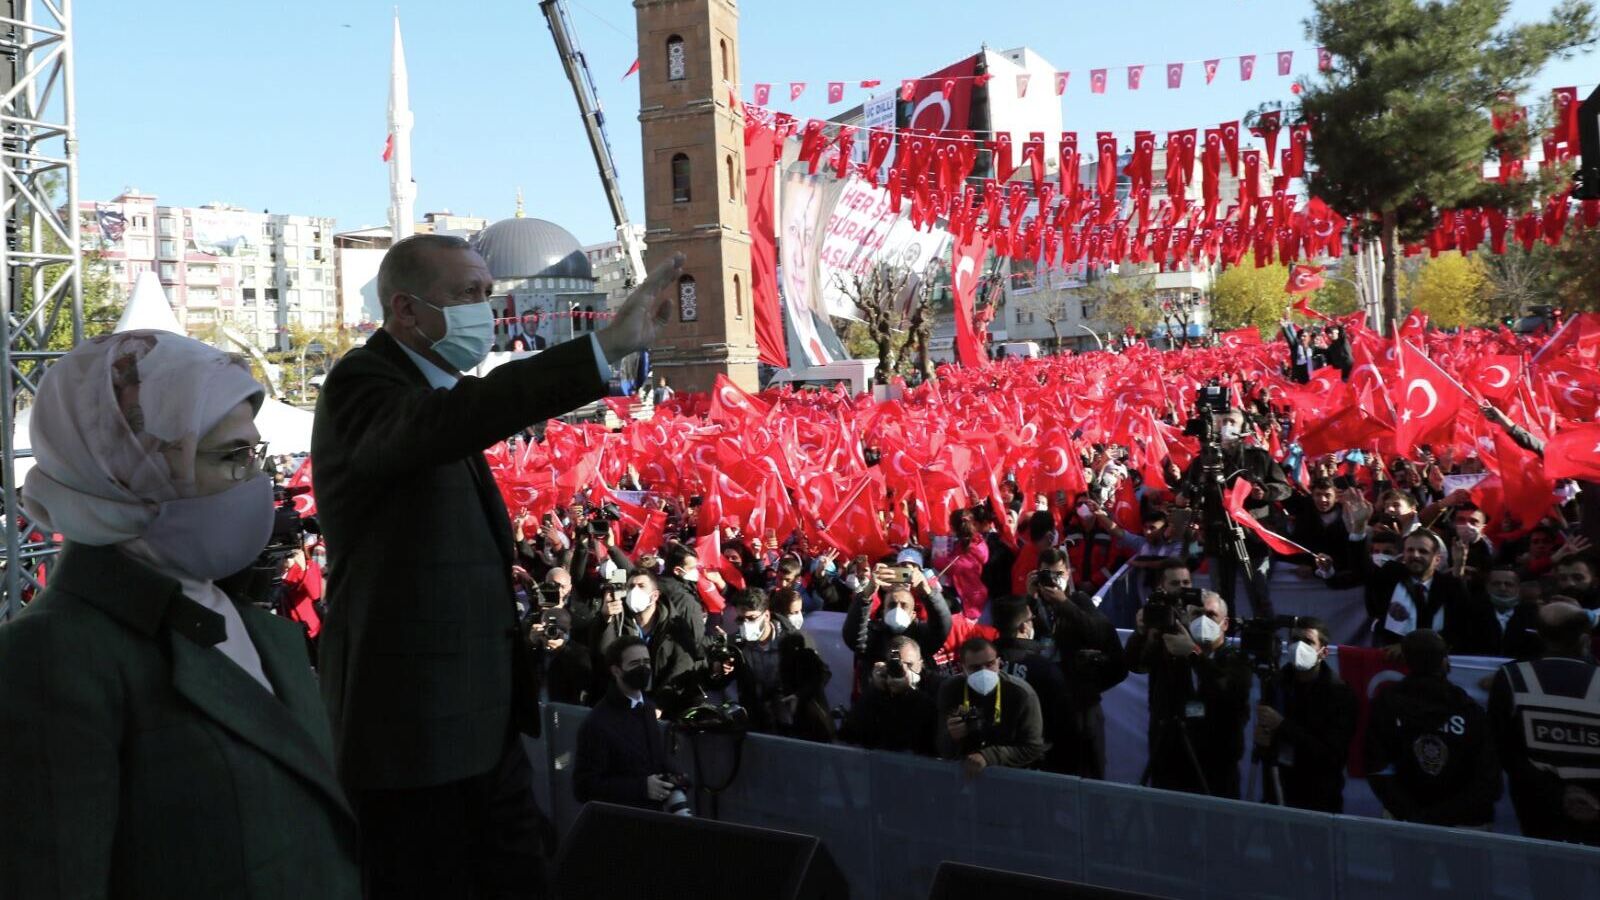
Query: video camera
[[600, 520], [1261, 642], [1160, 612], [262, 582], [720, 649]]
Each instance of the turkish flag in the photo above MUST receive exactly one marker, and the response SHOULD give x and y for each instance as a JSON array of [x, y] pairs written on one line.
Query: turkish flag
[[1267, 126], [631, 69], [965, 265], [730, 403], [388, 147], [1564, 101], [1211, 69], [796, 88], [1174, 75], [1525, 485], [908, 89], [1303, 280], [1574, 452], [1061, 82], [1414, 325], [1022, 84], [1230, 143], [1496, 377], [1241, 337], [1233, 501], [855, 527], [1106, 166], [1135, 75], [1247, 67], [1285, 61], [1324, 59], [1427, 400], [1097, 81], [835, 91], [1368, 670]]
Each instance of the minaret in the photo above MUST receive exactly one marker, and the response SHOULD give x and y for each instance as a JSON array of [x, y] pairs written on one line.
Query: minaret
[[402, 190]]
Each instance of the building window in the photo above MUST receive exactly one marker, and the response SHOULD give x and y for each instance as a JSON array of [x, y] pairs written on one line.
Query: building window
[[738, 299], [169, 272], [139, 223], [169, 226], [169, 248], [727, 73], [733, 183], [680, 178], [1083, 311], [688, 300], [677, 64]]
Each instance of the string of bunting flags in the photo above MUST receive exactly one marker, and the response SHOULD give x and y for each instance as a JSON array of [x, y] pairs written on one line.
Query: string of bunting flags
[[1020, 213]]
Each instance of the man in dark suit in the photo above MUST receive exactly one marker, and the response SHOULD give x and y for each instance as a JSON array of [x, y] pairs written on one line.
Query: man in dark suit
[[1415, 592], [427, 678]]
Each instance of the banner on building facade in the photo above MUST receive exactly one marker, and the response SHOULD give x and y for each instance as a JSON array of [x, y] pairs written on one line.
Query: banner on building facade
[[223, 232], [942, 101]]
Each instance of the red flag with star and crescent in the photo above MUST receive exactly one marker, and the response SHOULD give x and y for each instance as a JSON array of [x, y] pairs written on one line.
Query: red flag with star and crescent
[[1304, 279], [1426, 400]]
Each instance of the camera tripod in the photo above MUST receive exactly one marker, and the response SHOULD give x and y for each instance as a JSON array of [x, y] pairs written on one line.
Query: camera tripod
[[1162, 731], [1224, 538], [1266, 760]]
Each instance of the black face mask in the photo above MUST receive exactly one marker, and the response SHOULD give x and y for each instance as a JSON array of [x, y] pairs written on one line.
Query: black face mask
[[636, 678]]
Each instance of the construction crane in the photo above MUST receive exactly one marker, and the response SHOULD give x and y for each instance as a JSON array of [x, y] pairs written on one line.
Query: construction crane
[[594, 125]]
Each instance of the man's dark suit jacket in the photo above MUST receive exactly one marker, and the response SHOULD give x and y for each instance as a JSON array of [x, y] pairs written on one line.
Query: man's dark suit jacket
[[418, 644], [1470, 627]]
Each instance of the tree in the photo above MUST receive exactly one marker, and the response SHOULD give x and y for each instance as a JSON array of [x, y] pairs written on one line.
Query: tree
[[1123, 301], [1336, 298], [1450, 289], [1244, 295], [1401, 120], [1049, 304], [888, 297]]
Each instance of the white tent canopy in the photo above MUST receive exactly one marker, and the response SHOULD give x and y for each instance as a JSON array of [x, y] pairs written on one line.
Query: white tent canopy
[[148, 308]]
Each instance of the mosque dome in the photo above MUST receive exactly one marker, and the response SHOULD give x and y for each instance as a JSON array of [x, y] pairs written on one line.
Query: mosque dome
[[531, 248]]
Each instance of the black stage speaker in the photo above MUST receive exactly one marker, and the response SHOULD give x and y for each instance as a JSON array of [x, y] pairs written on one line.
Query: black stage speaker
[[619, 851], [961, 881]]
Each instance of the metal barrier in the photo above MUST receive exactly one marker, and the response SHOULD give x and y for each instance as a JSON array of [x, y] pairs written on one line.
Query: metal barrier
[[890, 819]]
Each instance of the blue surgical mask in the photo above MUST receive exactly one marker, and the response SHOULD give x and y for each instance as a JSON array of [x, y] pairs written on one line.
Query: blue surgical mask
[[468, 334]]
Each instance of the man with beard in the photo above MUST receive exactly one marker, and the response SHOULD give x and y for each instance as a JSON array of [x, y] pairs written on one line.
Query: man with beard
[[1270, 486]]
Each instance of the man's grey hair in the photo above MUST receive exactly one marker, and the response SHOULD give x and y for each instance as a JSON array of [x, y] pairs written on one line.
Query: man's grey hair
[[1209, 595], [405, 268]]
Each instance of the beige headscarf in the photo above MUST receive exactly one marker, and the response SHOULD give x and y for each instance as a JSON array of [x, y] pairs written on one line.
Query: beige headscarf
[[115, 428]]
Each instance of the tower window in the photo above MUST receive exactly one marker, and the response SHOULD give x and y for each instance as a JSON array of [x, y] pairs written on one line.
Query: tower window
[[727, 73], [680, 178], [677, 63], [733, 183], [738, 299], [688, 300]]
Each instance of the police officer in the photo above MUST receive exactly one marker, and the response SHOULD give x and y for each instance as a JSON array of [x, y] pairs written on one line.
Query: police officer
[[1307, 737], [1429, 753], [1546, 719]]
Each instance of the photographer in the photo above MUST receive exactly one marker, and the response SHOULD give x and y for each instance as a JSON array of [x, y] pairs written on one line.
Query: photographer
[[899, 708], [1307, 738], [1199, 693], [670, 629], [754, 668], [621, 752], [567, 663], [1088, 653], [988, 718], [890, 607], [1230, 459]]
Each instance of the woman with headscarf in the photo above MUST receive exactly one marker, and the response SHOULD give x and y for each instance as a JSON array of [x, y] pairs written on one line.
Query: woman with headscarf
[[157, 738]]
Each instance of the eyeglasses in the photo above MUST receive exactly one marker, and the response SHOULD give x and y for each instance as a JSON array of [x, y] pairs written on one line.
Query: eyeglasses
[[243, 461]]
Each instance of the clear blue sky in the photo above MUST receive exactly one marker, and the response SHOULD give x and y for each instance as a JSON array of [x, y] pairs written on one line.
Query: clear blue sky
[[282, 105]]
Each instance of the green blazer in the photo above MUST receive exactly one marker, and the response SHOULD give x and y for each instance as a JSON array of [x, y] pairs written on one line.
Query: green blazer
[[424, 670], [137, 761]]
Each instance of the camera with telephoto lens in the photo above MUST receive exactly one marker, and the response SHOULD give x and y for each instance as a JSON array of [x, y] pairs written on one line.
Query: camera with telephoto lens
[[677, 800], [552, 626], [1161, 610], [600, 520], [719, 649], [895, 667], [262, 582], [1261, 642]]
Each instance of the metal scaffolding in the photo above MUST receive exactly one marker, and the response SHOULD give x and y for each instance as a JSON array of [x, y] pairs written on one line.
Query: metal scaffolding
[[41, 293]]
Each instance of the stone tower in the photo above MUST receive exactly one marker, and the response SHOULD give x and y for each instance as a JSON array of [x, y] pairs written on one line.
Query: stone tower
[[694, 184]]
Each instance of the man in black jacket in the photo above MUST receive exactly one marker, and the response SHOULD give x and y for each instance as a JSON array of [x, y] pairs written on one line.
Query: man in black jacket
[[621, 753], [1257, 466], [1029, 660], [1199, 699], [425, 673], [1306, 738], [674, 632], [868, 631], [1088, 652], [898, 710], [1414, 592], [1429, 751]]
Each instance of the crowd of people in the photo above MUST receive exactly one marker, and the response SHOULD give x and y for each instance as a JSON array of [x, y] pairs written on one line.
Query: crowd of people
[[165, 733]]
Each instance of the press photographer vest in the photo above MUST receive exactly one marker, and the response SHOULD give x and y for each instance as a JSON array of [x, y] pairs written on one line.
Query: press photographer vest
[[1560, 731]]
